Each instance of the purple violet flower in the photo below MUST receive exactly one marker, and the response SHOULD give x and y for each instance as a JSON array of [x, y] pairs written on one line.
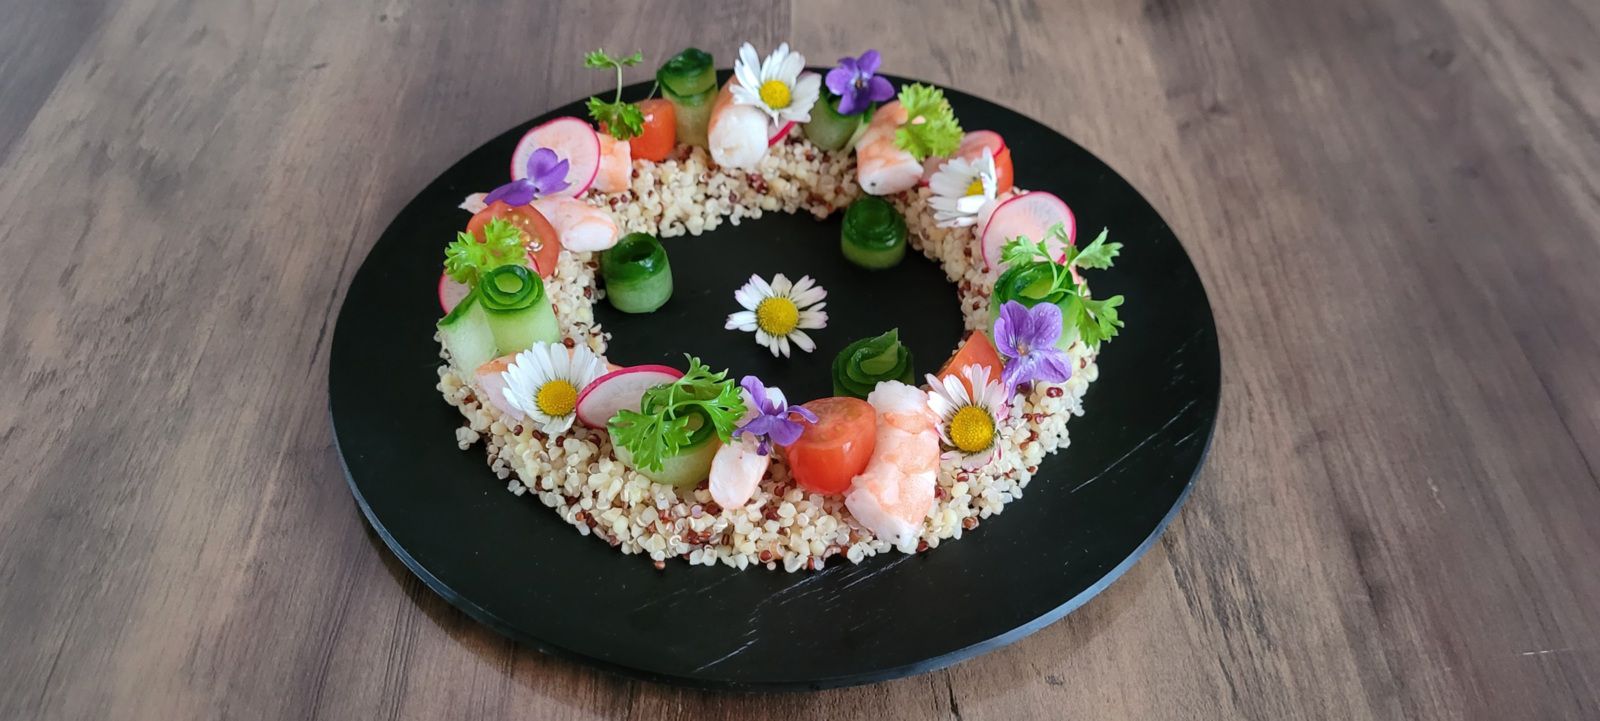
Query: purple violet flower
[[856, 83], [774, 422], [547, 173], [1026, 338]]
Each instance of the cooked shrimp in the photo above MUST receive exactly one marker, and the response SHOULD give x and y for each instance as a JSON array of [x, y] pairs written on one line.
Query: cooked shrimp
[[738, 133], [616, 165], [736, 471], [894, 494], [494, 387], [881, 166], [582, 227]]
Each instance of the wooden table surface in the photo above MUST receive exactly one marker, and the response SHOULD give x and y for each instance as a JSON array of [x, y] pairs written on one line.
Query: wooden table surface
[[1395, 206]]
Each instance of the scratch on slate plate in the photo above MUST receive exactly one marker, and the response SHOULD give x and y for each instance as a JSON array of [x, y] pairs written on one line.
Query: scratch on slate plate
[[1135, 449], [730, 654]]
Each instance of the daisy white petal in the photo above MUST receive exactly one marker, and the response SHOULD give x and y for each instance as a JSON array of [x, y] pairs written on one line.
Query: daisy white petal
[[804, 341]]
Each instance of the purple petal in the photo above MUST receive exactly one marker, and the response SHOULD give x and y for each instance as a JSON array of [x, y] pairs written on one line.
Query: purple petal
[[540, 161], [1044, 321], [840, 81], [758, 393], [1009, 327], [804, 412], [869, 61], [516, 192], [785, 432], [851, 103], [1053, 366], [879, 89], [1018, 371]]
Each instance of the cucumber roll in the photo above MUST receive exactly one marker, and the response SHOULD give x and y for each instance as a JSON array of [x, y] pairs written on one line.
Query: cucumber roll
[[828, 129], [873, 234], [863, 364], [465, 333], [637, 274], [689, 82], [1031, 284], [516, 308]]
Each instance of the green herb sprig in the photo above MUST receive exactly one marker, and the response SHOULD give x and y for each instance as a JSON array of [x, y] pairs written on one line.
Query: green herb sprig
[[466, 259], [660, 429], [931, 127], [621, 120], [1096, 320]]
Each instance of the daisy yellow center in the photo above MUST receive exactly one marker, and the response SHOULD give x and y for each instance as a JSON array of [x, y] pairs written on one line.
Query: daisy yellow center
[[777, 316], [557, 398], [976, 188], [775, 93], [971, 429]]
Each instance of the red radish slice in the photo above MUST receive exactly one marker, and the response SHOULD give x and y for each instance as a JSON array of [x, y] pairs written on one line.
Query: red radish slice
[[782, 133], [574, 141], [451, 292], [620, 389], [1030, 214]]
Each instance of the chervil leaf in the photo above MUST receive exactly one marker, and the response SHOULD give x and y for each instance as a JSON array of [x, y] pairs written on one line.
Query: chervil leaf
[[465, 259], [1021, 250], [621, 120], [1096, 320], [1098, 254], [597, 59], [931, 127]]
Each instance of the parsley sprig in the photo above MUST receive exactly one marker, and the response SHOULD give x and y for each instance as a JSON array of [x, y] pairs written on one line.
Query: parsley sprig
[[466, 259], [660, 429], [931, 127], [621, 120], [1096, 320]]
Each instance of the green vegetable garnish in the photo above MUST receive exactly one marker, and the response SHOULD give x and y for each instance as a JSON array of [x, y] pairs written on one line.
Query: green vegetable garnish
[[931, 127], [664, 424], [465, 259], [1034, 277], [621, 120], [863, 364]]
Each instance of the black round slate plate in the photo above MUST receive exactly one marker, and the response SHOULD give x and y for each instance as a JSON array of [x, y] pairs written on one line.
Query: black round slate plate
[[511, 563]]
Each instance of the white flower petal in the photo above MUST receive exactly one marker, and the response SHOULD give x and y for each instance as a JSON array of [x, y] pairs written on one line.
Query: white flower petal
[[804, 341], [748, 297], [812, 320], [762, 286], [748, 97], [781, 286], [742, 320], [783, 343]]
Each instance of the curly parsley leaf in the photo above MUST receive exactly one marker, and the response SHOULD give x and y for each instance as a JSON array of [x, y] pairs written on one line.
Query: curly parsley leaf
[[660, 430], [466, 259], [931, 127]]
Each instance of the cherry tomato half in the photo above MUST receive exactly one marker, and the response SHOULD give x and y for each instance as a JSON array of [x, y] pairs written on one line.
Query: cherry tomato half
[[835, 449], [538, 236], [660, 131]]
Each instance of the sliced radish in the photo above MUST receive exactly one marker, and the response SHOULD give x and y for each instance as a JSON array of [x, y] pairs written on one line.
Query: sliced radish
[[620, 389], [782, 133], [1031, 215], [451, 292], [573, 140]]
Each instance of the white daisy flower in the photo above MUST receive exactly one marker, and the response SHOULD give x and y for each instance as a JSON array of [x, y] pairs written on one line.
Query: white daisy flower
[[968, 423], [778, 312], [961, 188], [543, 382], [776, 85]]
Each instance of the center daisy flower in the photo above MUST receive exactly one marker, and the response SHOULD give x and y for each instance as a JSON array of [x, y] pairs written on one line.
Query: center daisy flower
[[969, 424], [780, 312], [543, 382], [776, 85], [961, 188]]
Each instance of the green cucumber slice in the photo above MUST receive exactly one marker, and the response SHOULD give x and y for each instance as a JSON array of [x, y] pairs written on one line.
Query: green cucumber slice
[[465, 332]]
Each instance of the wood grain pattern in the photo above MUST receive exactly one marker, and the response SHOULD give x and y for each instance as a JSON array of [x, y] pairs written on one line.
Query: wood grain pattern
[[1395, 205]]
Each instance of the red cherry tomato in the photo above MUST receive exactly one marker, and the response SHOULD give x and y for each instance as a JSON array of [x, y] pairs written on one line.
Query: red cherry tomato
[[835, 449], [977, 350], [660, 131], [538, 235]]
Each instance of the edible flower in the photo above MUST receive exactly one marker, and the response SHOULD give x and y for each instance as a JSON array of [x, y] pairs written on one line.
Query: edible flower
[[857, 83], [780, 312], [547, 173], [1035, 275], [543, 382], [774, 421], [968, 424], [775, 85], [961, 188], [1026, 338]]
